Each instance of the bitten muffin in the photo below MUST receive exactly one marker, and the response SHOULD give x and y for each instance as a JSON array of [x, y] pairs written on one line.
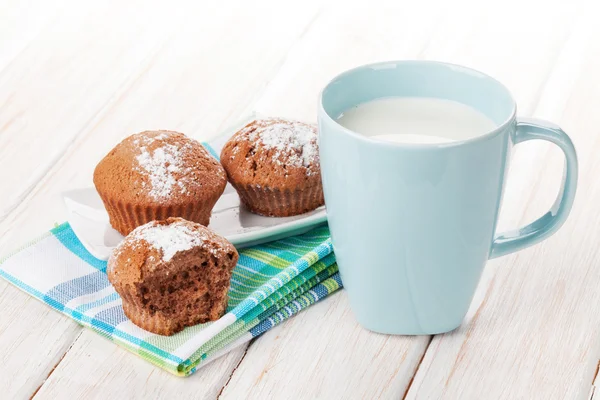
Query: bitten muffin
[[172, 274], [155, 175], [274, 166]]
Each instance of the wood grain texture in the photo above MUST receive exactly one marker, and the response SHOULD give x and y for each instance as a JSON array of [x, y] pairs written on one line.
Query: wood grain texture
[[33, 338], [323, 353], [36, 71], [342, 38], [328, 38], [306, 356], [62, 81], [177, 88], [75, 80], [89, 371], [536, 322], [594, 393], [21, 22]]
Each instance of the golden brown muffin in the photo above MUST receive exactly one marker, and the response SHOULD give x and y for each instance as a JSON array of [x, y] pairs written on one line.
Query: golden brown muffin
[[172, 274], [155, 175], [274, 166]]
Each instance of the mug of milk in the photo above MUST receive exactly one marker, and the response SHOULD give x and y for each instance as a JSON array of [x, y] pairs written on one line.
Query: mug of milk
[[414, 156]]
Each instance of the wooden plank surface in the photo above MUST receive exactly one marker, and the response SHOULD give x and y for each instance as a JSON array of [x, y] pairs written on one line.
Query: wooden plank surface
[[48, 73], [177, 88], [95, 368], [21, 22], [535, 323], [323, 352], [265, 371], [62, 81], [76, 79]]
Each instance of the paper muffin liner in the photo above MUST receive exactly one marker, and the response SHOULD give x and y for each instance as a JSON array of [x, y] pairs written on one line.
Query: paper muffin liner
[[152, 322], [125, 217], [280, 203]]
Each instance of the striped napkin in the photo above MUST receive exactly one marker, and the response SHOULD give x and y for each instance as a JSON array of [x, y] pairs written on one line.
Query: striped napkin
[[271, 283]]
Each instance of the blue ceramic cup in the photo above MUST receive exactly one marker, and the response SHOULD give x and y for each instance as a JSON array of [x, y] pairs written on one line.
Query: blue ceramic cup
[[414, 224]]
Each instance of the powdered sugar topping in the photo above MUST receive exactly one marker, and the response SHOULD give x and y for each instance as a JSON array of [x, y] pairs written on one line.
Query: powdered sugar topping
[[161, 165], [295, 141], [169, 239]]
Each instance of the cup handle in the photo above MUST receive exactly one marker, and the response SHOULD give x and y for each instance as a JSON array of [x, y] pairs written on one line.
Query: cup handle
[[546, 225]]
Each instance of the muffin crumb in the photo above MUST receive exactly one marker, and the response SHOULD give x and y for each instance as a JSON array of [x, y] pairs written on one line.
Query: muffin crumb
[[172, 274]]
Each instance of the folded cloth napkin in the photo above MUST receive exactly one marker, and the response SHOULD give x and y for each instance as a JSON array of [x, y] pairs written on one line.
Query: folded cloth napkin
[[270, 283]]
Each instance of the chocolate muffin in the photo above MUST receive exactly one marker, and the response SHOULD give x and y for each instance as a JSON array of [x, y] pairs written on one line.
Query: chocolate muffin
[[155, 175], [274, 166], [172, 274]]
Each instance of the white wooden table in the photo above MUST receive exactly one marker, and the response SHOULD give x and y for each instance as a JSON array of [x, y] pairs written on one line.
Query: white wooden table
[[77, 76]]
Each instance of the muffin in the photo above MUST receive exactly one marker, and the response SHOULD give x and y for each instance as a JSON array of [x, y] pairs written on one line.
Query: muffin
[[172, 274], [273, 164], [155, 175]]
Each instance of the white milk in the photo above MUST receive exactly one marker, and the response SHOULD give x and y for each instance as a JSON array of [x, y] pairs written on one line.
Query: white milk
[[416, 120]]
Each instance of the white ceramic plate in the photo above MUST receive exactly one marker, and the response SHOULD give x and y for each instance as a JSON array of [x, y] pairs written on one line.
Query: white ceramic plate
[[89, 220]]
